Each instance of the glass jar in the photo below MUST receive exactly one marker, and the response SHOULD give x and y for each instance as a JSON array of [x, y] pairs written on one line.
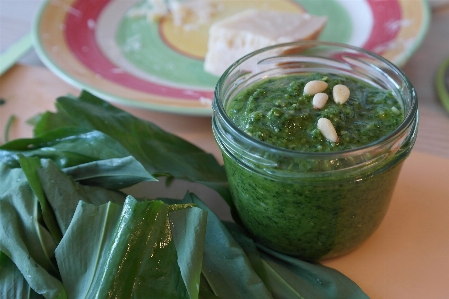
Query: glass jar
[[313, 205]]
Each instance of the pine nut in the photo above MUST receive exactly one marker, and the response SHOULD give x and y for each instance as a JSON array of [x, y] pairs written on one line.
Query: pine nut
[[314, 87], [319, 100], [395, 110], [327, 129], [341, 93]]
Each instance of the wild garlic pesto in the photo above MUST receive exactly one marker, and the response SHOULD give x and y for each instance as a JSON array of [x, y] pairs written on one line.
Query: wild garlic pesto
[[329, 194], [278, 112], [321, 217]]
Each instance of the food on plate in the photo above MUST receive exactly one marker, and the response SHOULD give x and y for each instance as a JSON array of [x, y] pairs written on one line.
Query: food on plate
[[314, 183], [237, 35], [187, 14]]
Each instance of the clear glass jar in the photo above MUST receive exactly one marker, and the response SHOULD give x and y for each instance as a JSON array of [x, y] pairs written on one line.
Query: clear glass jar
[[312, 205]]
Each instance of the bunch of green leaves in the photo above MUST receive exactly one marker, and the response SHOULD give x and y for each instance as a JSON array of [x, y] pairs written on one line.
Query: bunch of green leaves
[[67, 230]]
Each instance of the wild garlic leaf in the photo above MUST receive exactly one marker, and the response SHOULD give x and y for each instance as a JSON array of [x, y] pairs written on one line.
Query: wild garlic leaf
[[311, 280], [81, 253], [161, 153], [65, 146], [22, 236], [114, 174], [130, 251], [12, 282], [64, 193], [30, 168], [48, 121], [224, 258], [152, 264], [188, 227], [288, 277]]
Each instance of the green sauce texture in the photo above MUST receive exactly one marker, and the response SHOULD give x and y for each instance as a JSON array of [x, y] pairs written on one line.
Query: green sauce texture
[[277, 112], [314, 217]]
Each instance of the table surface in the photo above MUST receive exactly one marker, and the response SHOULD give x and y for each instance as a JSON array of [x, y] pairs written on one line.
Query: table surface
[[408, 257]]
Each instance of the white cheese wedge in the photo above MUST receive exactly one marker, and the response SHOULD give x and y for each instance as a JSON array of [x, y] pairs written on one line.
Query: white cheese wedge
[[233, 37]]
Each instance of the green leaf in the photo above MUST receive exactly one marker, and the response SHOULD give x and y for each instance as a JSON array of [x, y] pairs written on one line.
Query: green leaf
[[188, 227], [113, 174], [85, 246], [64, 193], [133, 253], [23, 238], [142, 227], [12, 283], [205, 293], [8, 127], [49, 120], [65, 146], [226, 268], [288, 277], [30, 167], [312, 281], [161, 153], [251, 251]]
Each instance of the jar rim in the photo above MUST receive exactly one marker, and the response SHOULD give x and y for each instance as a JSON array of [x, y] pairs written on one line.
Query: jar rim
[[409, 118]]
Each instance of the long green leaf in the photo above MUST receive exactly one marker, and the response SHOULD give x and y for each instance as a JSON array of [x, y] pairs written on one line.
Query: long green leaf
[[65, 146], [135, 251], [160, 152], [30, 167], [205, 293], [85, 245], [113, 174], [23, 238], [226, 267], [312, 281], [64, 194], [48, 121], [144, 228], [288, 277], [251, 251], [188, 227], [12, 283]]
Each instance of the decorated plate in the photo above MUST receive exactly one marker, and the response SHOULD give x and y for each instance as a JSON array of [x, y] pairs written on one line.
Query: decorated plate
[[115, 50]]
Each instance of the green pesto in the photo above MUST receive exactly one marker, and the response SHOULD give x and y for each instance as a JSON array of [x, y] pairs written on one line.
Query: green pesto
[[277, 112], [317, 217], [309, 219]]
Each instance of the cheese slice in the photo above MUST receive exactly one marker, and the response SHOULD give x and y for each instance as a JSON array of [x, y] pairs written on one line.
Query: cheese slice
[[187, 14], [233, 37]]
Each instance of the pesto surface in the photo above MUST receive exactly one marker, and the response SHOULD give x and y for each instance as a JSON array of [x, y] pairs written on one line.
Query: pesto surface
[[277, 112]]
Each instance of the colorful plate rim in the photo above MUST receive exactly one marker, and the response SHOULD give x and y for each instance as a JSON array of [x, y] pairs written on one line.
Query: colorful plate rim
[[54, 50]]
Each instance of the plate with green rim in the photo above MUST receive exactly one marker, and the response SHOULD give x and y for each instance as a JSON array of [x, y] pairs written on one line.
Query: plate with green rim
[[123, 57]]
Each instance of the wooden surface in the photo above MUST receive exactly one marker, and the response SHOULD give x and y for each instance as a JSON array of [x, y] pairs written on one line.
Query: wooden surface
[[29, 90]]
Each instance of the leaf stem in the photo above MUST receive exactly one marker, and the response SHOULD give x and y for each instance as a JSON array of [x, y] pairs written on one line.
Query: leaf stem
[[8, 127]]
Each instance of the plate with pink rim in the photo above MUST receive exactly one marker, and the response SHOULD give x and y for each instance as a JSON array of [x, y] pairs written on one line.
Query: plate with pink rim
[[111, 49]]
